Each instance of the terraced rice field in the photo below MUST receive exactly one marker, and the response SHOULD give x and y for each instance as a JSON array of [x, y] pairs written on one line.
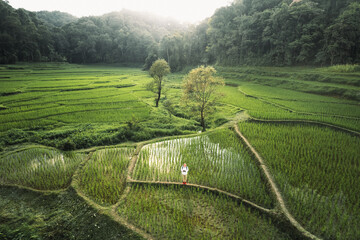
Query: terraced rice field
[[42, 169], [216, 160], [37, 98], [310, 148], [295, 94], [317, 169], [190, 213]]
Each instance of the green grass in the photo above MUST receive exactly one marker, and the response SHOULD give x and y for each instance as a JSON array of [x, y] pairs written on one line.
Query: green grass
[[175, 212], [352, 124], [104, 176], [317, 169], [38, 168], [216, 159]]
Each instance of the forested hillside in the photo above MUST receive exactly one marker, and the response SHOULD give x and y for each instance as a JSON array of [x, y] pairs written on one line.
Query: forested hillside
[[55, 18], [255, 32], [278, 32]]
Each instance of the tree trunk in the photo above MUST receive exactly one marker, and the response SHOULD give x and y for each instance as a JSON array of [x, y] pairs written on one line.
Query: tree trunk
[[202, 121], [168, 56], [159, 94]]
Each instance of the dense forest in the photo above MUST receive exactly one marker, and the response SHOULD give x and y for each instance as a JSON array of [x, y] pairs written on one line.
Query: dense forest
[[251, 32]]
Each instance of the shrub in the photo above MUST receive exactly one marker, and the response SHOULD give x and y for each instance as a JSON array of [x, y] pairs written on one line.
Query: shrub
[[15, 136], [344, 68], [67, 145]]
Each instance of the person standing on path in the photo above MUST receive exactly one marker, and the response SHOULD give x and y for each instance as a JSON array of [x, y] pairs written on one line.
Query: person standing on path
[[184, 171]]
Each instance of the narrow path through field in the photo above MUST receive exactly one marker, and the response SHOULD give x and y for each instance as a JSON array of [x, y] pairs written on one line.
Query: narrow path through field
[[111, 210], [131, 167], [33, 189], [127, 189], [352, 132], [275, 189], [76, 184], [246, 202]]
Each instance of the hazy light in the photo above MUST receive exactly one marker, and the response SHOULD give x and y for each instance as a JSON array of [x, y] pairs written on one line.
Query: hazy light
[[182, 10]]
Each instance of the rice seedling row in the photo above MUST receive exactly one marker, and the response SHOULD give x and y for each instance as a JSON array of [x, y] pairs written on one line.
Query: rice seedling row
[[53, 99]]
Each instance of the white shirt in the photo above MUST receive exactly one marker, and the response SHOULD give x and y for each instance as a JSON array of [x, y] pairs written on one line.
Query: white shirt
[[184, 170]]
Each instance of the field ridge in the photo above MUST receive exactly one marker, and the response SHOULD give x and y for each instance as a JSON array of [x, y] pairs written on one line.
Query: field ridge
[[275, 189], [246, 202], [352, 132], [106, 210]]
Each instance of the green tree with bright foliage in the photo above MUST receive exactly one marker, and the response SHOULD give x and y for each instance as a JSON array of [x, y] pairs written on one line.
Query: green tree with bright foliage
[[201, 91], [158, 71]]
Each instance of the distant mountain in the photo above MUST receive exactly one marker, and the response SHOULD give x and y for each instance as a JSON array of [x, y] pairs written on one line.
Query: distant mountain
[[55, 18]]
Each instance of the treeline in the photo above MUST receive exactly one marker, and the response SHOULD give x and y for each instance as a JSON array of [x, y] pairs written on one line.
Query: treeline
[[254, 32], [117, 37], [286, 32], [24, 37]]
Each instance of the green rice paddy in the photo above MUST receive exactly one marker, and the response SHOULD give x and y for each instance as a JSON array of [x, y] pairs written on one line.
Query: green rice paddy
[[317, 169], [99, 154]]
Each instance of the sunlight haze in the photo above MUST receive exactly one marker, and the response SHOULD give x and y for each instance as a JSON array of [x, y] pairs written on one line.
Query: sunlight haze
[[182, 10]]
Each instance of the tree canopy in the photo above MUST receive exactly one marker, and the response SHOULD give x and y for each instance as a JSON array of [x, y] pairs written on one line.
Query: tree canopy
[[158, 71], [276, 32]]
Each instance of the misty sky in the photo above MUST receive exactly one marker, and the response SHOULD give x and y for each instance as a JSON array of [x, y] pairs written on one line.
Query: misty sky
[[182, 10]]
